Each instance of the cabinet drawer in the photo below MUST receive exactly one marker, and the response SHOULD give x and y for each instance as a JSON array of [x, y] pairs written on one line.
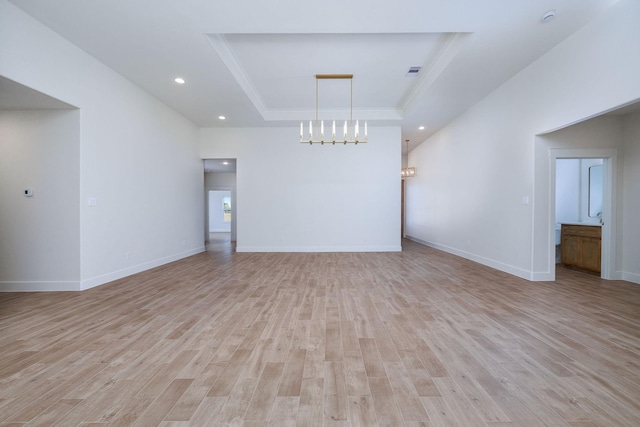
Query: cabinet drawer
[[582, 230]]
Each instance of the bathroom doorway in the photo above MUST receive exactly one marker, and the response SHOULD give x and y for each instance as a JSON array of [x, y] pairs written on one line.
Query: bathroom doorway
[[583, 195], [579, 199]]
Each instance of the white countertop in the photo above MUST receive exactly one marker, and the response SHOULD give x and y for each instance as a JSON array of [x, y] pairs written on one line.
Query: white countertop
[[592, 224]]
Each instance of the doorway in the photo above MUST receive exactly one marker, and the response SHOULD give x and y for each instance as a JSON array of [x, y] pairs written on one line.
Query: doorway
[[219, 211], [579, 196], [583, 207], [220, 216], [220, 225]]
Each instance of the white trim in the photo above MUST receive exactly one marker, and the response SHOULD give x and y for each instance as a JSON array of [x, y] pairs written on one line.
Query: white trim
[[543, 276], [389, 114], [228, 57], [447, 52], [61, 286], [629, 277], [115, 275], [510, 269], [319, 249]]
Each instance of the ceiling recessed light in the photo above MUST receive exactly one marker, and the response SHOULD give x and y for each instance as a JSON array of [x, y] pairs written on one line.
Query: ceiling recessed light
[[222, 118], [421, 128], [179, 80], [548, 16]]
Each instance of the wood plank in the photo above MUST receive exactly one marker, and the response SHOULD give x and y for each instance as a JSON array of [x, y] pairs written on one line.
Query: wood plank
[[311, 404], [161, 406], [265, 393], [405, 393], [372, 359], [292, 375], [387, 411]]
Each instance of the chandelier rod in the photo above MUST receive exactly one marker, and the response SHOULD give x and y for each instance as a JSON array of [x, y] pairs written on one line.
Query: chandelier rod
[[337, 77]]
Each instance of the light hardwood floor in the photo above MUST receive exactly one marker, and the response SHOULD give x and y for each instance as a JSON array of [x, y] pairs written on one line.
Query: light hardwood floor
[[418, 338]]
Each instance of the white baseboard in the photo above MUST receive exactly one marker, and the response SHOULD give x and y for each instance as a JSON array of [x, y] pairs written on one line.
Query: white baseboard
[[110, 277], [318, 248], [542, 276], [631, 277], [43, 286], [516, 271], [95, 281]]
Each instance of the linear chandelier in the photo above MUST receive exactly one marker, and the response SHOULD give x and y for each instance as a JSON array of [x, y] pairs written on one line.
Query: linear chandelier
[[408, 172], [350, 132]]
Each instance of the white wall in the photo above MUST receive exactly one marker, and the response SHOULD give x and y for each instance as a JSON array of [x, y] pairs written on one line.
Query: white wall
[[138, 157], [39, 235], [631, 199], [476, 173], [297, 197], [220, 180], [567, 190]]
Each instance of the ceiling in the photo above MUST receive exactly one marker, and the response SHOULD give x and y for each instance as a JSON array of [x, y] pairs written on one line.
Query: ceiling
[[255, 61], [220, 165]]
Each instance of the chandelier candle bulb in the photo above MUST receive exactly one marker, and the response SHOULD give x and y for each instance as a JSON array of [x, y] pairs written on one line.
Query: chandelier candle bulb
[[333, 131], [345, 130], [322, 130], [310, 131], [301, 131]]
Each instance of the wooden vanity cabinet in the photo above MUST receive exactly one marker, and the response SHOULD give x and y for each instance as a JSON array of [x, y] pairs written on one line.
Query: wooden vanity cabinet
[[581, 247]]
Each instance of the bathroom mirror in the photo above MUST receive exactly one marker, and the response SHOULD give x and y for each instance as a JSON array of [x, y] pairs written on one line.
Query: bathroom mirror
[[595, 191]]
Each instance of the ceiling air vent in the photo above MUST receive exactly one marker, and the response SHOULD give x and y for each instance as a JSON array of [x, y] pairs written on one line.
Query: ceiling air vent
[[413, 71]]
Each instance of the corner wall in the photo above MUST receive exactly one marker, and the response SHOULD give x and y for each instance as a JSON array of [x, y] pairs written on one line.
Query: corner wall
[[293, 197], [39, 235], [138, 158], [480, 191]]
